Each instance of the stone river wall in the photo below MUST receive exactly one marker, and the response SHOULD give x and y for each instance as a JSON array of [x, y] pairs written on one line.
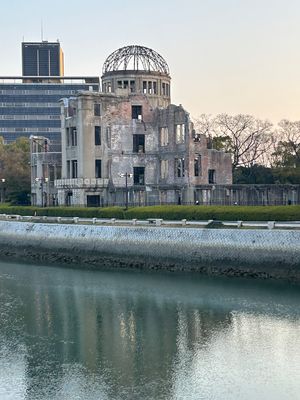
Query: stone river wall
[[235, 252]]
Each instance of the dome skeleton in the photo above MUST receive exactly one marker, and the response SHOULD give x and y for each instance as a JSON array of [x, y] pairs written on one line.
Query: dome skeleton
[[136, 58]]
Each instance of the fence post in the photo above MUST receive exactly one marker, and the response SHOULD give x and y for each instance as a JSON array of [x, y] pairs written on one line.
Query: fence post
[[271, 224]]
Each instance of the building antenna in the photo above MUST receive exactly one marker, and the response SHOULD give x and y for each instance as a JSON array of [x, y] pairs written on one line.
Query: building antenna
[[42, 33]]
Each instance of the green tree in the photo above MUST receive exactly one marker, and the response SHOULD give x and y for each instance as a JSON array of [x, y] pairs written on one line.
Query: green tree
[[15, 169]]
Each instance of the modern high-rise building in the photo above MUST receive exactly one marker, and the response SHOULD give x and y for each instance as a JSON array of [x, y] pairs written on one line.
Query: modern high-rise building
[[28, 107], [42, 59], [29, 104]]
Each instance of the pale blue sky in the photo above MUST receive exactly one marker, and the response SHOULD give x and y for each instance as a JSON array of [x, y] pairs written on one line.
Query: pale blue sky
[[234, 56]]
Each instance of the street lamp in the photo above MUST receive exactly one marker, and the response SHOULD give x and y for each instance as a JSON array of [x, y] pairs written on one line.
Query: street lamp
[[126, 176], [2, 190], [42, 180]]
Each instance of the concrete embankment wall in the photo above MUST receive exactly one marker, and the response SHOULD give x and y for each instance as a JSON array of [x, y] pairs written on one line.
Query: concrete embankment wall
[[256, 253]]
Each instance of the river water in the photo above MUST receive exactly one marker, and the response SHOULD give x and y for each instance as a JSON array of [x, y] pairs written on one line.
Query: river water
[[74, 334]]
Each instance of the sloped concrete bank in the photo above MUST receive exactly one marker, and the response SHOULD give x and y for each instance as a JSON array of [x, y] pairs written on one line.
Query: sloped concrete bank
[[255, 253]]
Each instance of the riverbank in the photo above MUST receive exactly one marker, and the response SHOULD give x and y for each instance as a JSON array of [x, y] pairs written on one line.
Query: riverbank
[[253, 253]]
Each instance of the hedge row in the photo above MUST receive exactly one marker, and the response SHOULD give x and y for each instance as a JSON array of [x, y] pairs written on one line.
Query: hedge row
[[222, 213], [91, 212]]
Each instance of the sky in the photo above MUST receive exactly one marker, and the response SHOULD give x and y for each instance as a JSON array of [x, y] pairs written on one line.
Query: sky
[[225, 56]]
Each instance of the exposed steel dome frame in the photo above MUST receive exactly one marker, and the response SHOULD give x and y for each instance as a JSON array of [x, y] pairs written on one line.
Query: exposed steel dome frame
[[135, 58]]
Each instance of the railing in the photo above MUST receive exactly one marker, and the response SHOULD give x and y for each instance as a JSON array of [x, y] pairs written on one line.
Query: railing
[[81, 182], [156, 222]]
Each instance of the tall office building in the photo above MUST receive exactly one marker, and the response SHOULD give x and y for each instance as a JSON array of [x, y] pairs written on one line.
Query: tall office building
[[29, 107], [42, 59], [29, 104]]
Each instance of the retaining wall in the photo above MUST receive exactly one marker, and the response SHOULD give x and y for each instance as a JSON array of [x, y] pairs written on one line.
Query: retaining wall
[[255, 253]]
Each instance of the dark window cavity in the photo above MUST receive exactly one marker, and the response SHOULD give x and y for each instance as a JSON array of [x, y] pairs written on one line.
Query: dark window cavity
[[74, 168], [139, 143], [136, 112], [97, 110], [211, 176], [139, 175], [98, 169], [197, 165], [97, 135]]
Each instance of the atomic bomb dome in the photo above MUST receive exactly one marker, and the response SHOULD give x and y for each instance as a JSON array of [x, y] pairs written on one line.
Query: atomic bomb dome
[[137, 70], [135, 58]]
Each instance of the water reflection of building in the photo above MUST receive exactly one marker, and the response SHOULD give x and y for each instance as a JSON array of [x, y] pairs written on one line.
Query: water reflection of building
[[116, 333]]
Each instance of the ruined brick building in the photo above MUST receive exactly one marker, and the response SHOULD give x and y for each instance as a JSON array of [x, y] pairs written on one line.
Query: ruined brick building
[[129, 145]]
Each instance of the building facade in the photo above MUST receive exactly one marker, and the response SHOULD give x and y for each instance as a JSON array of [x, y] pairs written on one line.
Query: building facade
[[45, 160], [28, 107], [129, 145], [42, 59]]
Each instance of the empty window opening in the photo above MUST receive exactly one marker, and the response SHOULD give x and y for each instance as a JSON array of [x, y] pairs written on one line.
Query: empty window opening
[[98, 172], [68, 169], [179, 132], [136, 112], [97, 135], [67, 136], [164, 169], [132, 86], [179, 167], [211, 176], [150, 90], [197, 165], [125, 85], [119, 84], [73, 134], [164, 136], [139, 143], [74, 166], [144, 87], [154, 88], [97, 110], [139, 175], [93, 200], [167, 89]]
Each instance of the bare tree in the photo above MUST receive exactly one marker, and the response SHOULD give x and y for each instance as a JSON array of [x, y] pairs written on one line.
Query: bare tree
[[244, 136], [287, 144]]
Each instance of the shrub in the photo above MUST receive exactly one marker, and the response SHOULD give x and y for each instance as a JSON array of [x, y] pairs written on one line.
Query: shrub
[[222, 213]]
